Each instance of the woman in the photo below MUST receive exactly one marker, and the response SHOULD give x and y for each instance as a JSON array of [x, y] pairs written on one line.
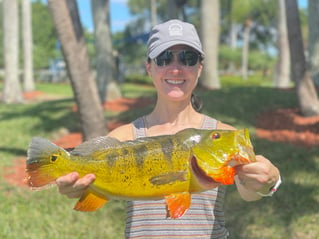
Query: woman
[[175, 62]]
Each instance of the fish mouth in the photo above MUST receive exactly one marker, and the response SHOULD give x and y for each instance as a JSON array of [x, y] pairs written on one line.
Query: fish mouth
[[203, 179]]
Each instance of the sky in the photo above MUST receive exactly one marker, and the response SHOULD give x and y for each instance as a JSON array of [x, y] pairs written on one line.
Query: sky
[[120, 15]]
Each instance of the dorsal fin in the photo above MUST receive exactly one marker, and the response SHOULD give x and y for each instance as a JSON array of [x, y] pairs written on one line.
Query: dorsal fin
[[94, 145]]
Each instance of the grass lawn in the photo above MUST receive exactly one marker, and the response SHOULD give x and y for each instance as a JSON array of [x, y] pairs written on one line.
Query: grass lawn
[[292, 212]]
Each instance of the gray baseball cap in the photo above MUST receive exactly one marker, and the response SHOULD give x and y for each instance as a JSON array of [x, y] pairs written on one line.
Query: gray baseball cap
[[171, 33]]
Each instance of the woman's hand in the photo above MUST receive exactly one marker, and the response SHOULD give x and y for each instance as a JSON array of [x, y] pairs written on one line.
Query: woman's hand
[[259, 176], [72, 186]]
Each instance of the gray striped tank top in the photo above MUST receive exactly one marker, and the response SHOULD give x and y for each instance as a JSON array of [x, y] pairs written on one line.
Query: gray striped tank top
[[204, 219]]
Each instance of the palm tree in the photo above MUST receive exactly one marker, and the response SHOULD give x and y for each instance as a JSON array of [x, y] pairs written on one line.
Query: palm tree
[[306, 92], [105, 64], [313, 16], [210, 38], [67, 22], [246, 37], [11, 88], [153, 11], [27, 46], [282, 75]]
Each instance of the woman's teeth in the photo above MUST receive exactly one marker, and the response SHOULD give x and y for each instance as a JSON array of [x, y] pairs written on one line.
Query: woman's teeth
[[175, 82]]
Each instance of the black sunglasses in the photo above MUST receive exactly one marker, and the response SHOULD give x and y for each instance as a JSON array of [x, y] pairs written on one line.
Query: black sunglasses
[[185, 57]]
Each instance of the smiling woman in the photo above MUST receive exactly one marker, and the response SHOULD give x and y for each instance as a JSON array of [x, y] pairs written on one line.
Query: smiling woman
[[174, 63], [174, 75]]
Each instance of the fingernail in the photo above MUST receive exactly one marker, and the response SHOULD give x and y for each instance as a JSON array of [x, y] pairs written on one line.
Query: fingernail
[[74, 176], [92, 176]]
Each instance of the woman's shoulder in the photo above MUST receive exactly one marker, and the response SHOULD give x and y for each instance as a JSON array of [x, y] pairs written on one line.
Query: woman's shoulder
[[221, 125], [122, 133]]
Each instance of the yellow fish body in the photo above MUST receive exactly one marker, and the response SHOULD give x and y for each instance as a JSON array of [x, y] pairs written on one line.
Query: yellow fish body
[[170, 166]]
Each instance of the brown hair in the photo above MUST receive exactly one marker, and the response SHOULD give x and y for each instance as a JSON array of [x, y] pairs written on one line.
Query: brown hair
[[197, 102]]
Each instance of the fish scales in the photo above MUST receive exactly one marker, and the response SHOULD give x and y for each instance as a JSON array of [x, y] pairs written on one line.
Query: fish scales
[[149, 165], [135, 166]]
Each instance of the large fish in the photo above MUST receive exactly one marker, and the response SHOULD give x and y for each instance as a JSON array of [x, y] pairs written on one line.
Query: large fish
[[170, 166]]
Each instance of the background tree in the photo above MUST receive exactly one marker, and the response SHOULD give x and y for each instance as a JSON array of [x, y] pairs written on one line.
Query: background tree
[[45, 40], [282, 73], [27, 46], [306, 92], [241, 13], [153, 10], [172, 10], [253, 24], [244, 60], [105, 63], [67, 22], [11, 89], [210, 40], [232, 34], [313, 47]]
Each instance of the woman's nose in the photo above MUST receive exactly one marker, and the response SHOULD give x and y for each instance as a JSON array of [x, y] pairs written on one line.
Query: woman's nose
[[175, 65]]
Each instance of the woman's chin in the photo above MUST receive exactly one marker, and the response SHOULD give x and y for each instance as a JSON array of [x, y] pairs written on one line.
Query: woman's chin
[[176, 94]]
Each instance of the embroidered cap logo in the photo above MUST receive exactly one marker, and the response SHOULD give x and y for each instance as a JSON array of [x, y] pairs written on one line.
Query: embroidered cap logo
[[175, 30]]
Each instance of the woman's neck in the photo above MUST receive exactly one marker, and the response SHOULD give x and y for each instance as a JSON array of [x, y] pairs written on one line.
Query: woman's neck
[[171, 118]]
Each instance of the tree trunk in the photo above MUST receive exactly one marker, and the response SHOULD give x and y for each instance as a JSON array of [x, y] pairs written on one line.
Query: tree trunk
[[282, 75], [231, 68], [313, 16], [11, 88], [244, 62], [306, 92], [67, 22], [210, 39], [27, 46], [153, 13], [105, 64], [172, 10]]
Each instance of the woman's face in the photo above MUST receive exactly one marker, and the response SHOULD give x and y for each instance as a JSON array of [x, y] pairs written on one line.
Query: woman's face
[[175, 80]]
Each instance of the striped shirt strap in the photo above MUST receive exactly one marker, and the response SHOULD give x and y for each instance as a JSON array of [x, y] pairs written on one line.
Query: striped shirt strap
[[139, 129]]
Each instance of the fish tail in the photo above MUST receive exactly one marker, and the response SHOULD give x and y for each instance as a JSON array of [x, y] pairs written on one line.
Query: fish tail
[[43, 157]]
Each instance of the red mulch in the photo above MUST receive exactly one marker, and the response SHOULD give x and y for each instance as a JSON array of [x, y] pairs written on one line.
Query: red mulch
[[282, 125], [287, 125], [32, 95], [124, 104]]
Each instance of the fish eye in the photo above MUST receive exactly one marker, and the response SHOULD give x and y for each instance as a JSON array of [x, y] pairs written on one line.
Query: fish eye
[[54, 157], [215, 135]]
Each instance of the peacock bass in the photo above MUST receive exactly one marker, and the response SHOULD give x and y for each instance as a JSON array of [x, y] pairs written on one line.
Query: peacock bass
[[169, 166]]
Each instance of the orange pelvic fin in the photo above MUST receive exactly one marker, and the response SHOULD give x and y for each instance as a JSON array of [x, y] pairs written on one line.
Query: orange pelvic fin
[[90, 202], [225, 175], [177, 204]]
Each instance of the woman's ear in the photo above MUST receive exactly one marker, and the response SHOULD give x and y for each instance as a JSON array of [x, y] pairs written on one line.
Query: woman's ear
[[200, 69], [148, 68]]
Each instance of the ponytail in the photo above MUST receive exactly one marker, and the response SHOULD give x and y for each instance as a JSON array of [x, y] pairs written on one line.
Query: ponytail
[[197, 103]]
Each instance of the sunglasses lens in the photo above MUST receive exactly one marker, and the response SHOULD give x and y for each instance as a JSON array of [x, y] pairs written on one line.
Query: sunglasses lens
[[188, 58], [164, 58]]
